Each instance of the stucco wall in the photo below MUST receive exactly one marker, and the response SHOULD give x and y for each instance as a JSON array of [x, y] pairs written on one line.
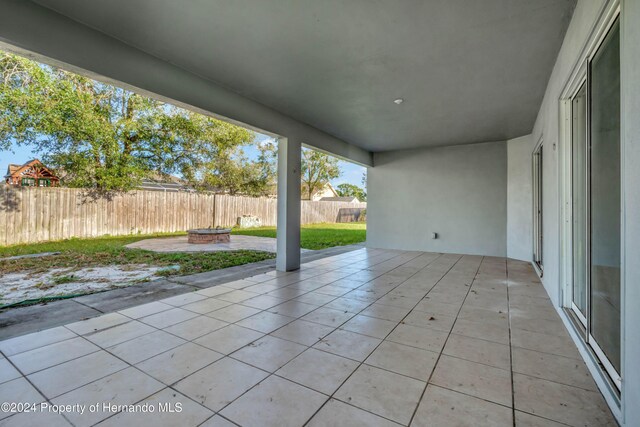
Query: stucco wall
[[458, 192], [547, 127], [519, 199], [630, 148]]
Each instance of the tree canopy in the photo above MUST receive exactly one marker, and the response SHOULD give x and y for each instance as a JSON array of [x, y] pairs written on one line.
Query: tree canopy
[[351, 190], [318, 169], [236, 174], [95, 135]]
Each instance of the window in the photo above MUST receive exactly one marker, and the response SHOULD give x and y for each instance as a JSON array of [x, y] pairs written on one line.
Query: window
[[537, 206], [44, 182], [596, 203], [28, 182]]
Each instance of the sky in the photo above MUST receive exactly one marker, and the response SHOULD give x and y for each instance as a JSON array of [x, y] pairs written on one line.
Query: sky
[[351, 173], [20, 155]]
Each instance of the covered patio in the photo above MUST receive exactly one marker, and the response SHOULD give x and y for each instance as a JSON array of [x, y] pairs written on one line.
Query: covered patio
[[499, 284], [367, 338]]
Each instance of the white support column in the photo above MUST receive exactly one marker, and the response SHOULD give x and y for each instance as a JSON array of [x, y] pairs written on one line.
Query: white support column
[[288, 256]]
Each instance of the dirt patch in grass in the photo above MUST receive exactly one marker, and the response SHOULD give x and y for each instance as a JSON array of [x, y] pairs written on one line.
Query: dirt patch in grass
[[22, 286]]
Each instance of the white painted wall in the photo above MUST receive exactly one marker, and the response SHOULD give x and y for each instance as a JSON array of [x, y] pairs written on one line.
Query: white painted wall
[[519, 198], [547, 127], [630, 90], [458, 192]]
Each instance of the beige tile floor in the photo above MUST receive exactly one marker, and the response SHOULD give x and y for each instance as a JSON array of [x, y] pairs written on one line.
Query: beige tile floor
[[366, 338]]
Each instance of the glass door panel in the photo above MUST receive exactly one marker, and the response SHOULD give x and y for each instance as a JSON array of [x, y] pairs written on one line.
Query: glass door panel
[[604, 302]]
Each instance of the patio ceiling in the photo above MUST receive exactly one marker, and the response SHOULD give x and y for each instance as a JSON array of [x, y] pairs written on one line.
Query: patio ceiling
[[468, 71]]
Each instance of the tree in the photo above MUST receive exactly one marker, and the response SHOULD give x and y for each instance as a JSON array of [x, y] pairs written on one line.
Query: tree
[[350, 190], [235, 174], [267, 164], [317, 170], [99, 136]]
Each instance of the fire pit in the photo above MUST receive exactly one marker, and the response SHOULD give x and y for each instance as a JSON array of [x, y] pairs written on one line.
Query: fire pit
[[209, 235]]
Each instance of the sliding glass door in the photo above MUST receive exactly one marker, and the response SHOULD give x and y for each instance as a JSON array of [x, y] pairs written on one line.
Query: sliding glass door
[[596, 207], [605, 205], [537, 206]]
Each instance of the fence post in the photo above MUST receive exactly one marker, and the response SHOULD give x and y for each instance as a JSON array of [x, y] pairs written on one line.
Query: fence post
[[215, 208]]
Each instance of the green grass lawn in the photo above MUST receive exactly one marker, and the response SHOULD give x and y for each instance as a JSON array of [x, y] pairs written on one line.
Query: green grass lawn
[[318, 236], [80, 253]]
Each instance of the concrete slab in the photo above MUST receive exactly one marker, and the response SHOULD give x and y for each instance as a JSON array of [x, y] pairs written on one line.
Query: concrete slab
[[120, 299], [180, 244], [24, 320], [216, 277]]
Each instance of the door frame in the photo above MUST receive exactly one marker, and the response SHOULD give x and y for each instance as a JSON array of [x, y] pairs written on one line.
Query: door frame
[[537, 190]]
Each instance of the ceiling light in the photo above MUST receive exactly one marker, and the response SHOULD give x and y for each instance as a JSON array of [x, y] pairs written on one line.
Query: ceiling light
[[398, 101]]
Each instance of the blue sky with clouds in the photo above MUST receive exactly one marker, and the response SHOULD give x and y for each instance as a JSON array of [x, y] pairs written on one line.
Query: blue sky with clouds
[[351, 173]]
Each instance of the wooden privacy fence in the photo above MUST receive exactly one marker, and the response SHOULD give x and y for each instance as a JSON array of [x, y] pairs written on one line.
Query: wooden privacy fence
[[229, 208], [35, 214]]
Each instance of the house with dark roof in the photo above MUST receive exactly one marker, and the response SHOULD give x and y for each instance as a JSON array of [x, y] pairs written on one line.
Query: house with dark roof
[[164, 182], [31, 174]]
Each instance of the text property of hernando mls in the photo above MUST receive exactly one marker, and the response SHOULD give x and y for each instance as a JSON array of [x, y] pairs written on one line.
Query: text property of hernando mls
[[79, 408]]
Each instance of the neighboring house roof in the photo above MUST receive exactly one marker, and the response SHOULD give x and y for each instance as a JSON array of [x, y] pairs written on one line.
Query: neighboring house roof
[[12, 169], [329, 189], [340, 199], [324, 191], [18, 170], [160, 182]]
